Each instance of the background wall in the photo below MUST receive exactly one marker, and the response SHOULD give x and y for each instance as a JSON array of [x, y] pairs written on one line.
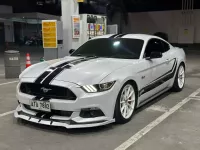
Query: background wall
[[160, 21], [8, 25]]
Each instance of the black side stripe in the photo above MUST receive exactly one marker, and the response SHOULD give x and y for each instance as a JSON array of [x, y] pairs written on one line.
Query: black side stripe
[[52, 76], [164, 78], [166, 72]]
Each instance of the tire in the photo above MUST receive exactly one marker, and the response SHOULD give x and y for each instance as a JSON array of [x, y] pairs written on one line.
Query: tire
[[125, 104], [180, 75]]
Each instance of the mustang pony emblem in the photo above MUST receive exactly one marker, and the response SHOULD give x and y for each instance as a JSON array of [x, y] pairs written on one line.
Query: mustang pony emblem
[[45, 90]]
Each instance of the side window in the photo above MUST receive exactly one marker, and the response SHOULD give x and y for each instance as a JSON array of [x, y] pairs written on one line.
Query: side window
[[154, 45], [166, 46]]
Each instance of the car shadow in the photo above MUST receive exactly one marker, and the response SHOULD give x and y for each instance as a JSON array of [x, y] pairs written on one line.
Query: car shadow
[[84, 131]]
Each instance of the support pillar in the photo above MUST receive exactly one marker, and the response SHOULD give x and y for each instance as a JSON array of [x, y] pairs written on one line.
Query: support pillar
[[69, 8]]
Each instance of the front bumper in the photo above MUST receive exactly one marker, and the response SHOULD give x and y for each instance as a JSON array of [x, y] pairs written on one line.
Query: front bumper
[[69, 123], [104, 101]]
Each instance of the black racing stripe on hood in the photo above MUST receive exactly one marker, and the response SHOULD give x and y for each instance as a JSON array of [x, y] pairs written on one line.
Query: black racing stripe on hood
[[48, 76], [68, 62], [57, 71], [42, 76], [46, 73], [52, 76], [83, 60]]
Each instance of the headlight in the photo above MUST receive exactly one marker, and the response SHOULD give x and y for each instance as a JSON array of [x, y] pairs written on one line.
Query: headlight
[[98, 87]]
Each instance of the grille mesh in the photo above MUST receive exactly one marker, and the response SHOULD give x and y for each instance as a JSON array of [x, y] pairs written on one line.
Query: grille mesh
[[47, 91]]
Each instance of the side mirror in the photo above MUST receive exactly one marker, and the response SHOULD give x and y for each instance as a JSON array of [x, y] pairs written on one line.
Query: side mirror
[[71, 51], [155, 55]]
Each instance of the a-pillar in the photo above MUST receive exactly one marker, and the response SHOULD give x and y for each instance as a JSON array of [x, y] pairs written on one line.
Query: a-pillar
[[69, 8]]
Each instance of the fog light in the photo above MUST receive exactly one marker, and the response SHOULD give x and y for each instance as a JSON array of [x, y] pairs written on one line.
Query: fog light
[[91, 113]]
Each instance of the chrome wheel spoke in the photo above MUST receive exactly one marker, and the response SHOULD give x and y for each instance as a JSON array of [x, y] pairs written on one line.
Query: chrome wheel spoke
[[182, 72], [130, 94], [123, 107], [127, 92], [131, 100], [125, 113], [127, 101], [129, 105], [122, 102], [181, 77]]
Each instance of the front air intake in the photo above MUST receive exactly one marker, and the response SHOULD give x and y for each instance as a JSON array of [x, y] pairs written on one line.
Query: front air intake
[[47, 91]]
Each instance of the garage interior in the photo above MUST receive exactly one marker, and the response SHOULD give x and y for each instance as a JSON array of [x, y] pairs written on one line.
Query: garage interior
[[168, 122]]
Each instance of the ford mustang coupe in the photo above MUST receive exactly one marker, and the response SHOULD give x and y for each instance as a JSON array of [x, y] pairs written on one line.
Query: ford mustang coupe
[[101, 82]]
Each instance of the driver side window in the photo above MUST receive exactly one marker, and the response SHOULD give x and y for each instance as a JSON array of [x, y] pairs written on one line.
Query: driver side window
[[154, 45]]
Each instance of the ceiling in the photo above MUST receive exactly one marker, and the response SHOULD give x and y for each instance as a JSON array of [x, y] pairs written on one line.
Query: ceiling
[[94, 6]]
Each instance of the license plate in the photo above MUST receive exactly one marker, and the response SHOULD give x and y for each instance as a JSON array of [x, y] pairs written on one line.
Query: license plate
[[40, 105]]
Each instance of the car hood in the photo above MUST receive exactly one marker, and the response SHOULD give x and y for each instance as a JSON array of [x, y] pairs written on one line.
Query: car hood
[[89, 71]]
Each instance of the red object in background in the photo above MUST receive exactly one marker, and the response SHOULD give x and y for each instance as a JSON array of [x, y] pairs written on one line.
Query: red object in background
[[28, 60]]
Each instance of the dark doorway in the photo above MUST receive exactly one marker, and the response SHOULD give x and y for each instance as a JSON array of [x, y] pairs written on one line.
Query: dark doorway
[[2, 34]]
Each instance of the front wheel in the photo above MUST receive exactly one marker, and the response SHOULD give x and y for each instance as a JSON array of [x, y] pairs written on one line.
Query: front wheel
[[125, 104], [179, 79]]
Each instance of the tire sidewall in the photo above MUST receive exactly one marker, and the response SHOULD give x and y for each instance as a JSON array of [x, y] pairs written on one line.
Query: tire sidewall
[[176, 85], [117, 114]]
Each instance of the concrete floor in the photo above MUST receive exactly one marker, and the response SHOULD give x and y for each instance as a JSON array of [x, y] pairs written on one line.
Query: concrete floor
[[180, 131]]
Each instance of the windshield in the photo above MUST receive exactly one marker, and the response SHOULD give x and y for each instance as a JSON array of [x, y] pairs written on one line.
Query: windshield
[[111, 48]]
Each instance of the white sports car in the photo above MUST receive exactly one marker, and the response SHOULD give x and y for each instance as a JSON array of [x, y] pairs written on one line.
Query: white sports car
[[103, 81]]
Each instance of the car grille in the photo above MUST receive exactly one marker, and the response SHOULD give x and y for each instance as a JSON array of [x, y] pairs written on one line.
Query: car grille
[[47, 91]]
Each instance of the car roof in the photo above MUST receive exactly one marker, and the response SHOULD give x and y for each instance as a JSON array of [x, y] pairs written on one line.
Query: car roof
[[144, 37]]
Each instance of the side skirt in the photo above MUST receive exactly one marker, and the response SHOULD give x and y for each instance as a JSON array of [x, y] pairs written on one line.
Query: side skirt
[[152, 97]]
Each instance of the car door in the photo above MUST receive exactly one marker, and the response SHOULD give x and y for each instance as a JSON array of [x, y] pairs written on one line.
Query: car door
[[169, 58], [157, 68]]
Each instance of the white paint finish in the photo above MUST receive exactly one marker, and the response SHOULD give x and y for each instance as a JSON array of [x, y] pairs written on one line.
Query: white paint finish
[[7, 113], [153, 124], [151, 22], [102, 70]]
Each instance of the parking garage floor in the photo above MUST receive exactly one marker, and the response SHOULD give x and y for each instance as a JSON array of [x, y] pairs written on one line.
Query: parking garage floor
[[171, 121]]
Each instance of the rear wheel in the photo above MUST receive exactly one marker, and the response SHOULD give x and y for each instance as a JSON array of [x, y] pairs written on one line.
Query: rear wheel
[[179, 79], [125, 104]]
